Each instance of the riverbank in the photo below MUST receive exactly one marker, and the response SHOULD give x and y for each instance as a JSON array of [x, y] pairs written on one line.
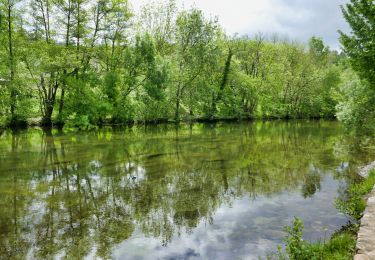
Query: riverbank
[[108, 123], [357, 239], [366, 235]]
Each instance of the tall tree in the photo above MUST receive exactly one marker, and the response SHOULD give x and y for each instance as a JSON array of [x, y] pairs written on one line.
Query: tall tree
[[359, 110], [158, 20], [66, 8], [8, 37], [47, 61], [360, 44], [195, 37]]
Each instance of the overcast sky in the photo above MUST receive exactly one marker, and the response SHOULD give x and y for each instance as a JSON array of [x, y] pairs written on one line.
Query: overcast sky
[[298, 19]]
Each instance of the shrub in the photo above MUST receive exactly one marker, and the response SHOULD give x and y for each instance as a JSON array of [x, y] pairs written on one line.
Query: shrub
[[340, 246]]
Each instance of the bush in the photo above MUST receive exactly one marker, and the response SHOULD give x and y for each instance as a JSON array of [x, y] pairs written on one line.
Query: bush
[[340, 246], [81, 122], [355, 108]]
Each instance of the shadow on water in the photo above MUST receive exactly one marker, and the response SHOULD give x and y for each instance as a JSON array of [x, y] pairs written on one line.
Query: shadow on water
[[81, 194]]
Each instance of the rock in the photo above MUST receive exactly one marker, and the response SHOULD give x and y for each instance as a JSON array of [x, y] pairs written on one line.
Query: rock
[[366, 233], [364, 171], [362, 257]]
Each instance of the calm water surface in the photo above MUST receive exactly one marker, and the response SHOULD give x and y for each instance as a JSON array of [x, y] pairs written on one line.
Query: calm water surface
[[197, 191]]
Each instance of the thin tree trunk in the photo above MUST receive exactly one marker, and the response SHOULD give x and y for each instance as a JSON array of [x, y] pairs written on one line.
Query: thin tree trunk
[[13, 91], [63, 87], [61, 105], [177, 112]]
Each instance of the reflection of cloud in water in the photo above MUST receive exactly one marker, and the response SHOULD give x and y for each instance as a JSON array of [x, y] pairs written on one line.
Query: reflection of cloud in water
[[343, 167], [96, 164], [214, 192], [246, 229], [136, 174]]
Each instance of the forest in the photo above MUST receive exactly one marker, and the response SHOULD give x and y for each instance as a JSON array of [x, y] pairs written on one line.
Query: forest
[[83, 63]]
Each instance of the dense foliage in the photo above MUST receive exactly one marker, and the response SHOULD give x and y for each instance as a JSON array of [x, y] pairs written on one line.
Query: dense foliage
[[83, 63], [357, 107]]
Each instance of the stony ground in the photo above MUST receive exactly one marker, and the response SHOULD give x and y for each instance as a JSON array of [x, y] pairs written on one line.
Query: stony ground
[[366, 234], [364, 171]]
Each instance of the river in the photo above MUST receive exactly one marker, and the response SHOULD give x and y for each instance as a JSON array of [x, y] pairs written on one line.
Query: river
[[196, 191]]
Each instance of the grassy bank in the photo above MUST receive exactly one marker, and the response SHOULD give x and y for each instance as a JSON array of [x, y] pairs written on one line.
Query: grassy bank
[[343, 243]]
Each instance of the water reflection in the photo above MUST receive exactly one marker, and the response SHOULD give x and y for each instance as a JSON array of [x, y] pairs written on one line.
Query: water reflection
[[194, 191]]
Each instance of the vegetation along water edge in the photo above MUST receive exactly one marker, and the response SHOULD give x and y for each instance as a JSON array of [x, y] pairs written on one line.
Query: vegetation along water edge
[[353, 240]]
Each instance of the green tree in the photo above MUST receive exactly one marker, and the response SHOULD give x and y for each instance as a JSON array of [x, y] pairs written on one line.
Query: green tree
[[360, 44], [195, 45], [158, 20], [358, 111], [10, 33]]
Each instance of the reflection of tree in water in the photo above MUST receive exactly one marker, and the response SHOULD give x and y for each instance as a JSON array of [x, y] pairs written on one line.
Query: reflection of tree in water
[[311, 184], [13, 207], [83, 194]]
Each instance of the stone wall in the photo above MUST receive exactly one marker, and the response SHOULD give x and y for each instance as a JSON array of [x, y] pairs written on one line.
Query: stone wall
[[366, 235]]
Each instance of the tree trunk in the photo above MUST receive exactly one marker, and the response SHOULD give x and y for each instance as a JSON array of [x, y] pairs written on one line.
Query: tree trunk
[[47, 118], [223, 83], [67, 41], [49, 93], [177, 112], [13, 91], [61, 105]]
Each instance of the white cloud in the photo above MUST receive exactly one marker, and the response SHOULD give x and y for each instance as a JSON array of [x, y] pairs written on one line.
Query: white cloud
[[299, 19]]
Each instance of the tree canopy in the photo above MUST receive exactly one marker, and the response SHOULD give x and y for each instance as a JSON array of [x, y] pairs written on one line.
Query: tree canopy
[[83, 63], [358, 107]]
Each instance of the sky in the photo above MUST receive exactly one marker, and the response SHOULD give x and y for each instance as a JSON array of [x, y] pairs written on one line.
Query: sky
[[296, 19]]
